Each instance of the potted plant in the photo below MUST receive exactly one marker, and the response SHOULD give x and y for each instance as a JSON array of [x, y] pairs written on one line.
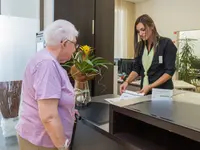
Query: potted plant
[[84, 66], [185, 59]]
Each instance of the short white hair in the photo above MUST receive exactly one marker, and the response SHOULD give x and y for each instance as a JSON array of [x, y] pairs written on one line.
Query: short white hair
[[59, 30]]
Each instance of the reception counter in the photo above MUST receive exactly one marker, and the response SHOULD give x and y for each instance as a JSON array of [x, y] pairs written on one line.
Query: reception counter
[[146, 125]]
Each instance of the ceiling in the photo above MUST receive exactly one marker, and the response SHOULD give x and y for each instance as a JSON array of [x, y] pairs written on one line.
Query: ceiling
[[136, 1]]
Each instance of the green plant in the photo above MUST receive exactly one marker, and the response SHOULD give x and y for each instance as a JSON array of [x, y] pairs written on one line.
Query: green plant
[[196, 63], [185, 59], [85, 63]]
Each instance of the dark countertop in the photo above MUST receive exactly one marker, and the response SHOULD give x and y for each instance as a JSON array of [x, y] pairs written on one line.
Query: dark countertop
[[180, 117], [96, 114], [179, 113]]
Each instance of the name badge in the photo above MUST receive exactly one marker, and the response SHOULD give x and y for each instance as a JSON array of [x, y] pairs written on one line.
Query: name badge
[[160, 59]]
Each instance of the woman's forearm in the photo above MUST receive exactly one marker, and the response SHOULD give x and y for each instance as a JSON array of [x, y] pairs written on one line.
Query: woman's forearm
[[55, 130], [48, 112], [131, 77], [164, 78]]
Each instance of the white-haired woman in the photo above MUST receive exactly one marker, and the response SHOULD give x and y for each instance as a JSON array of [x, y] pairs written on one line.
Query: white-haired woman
[[47, 110]]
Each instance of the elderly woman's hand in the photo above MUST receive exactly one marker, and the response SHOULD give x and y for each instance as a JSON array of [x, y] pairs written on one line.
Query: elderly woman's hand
[[76, 112]]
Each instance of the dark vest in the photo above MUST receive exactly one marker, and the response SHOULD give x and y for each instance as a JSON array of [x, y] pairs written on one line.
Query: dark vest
[[163, 62]]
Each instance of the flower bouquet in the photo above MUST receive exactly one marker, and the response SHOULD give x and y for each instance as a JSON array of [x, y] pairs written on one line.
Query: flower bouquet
[[84, 66]]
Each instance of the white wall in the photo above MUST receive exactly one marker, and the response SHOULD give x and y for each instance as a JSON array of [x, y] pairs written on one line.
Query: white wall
[[172, 15], [21, 8], [19, 21], [17, 47]]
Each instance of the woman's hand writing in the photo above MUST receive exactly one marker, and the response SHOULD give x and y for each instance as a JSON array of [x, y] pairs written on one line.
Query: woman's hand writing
[[123, 87], [145, 90]]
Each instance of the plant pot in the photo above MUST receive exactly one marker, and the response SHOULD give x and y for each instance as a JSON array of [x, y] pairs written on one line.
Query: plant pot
[[78, 76]]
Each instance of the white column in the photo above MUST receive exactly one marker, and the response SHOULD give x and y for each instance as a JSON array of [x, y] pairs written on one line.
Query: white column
[[48, 12]]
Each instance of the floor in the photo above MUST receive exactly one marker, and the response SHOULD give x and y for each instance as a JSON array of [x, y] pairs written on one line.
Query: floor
[[8, 143]]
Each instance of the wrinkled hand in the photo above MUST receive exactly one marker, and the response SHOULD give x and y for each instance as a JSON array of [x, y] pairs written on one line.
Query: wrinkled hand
[[145, 90], [76, 112], [123, 87]]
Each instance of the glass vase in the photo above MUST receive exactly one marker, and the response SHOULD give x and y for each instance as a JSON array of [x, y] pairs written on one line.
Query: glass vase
[[82, 93]]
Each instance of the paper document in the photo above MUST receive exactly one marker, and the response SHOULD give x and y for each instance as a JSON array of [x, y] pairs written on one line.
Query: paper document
[[113, 100], [127, 95], [130, 94], [40, 46], [161, 94]]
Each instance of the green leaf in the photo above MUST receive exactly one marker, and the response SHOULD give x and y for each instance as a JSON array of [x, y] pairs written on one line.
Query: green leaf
[[103, 65], [85, 65], [78, 56], [91, 57], [97, 58], [91, 70], [89, 62], [78, 65], [100, 60], [65, 65], [68, 64]]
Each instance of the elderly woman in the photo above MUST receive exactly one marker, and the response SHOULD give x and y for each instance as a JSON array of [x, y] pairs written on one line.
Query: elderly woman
[[47, 110]]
